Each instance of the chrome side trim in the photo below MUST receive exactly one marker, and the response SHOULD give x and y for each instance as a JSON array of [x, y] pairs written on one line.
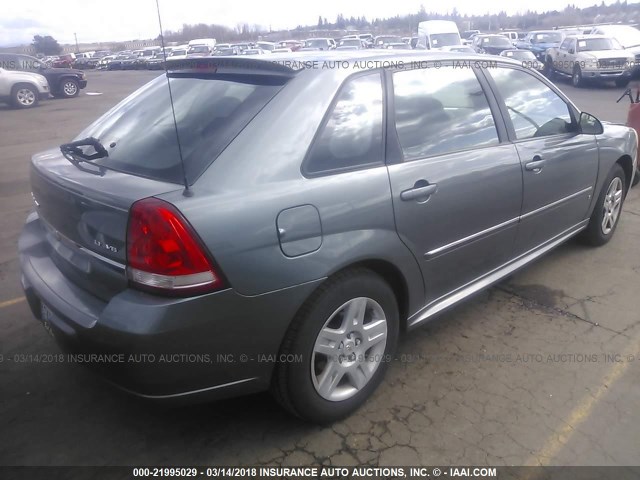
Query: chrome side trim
[[557, 202], [489, 230], [473, 236], [492, 277], [185, 394], [71, 244]]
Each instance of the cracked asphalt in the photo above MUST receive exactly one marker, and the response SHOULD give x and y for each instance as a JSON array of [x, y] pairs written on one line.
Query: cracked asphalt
[[543, 369]]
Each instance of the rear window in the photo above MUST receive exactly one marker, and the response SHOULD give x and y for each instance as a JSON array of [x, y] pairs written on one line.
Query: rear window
[[210, 111]]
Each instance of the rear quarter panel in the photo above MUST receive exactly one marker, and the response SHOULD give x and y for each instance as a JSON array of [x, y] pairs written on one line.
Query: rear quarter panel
[[237, 200]]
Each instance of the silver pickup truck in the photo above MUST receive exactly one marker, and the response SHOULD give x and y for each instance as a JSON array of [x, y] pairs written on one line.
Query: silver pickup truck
[[590, 57]]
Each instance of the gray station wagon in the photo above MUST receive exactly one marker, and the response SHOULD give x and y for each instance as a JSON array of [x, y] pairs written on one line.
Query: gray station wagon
[[281, 220]]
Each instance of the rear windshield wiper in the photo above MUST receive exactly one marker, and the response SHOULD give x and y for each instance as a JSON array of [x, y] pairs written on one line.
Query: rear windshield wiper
[[76, 155]]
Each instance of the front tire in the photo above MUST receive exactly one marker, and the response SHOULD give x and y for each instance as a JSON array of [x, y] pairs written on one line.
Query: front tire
[[606, 214], [576, 78], [24, 95], [69, 88], [549, 72], [344, 336]]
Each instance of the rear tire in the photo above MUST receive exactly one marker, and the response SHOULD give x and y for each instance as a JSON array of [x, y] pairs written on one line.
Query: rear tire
[[342, 339], [606, 214], [24, 95]]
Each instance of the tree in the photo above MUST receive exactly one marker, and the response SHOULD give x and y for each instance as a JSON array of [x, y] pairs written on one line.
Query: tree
[[320, 24], [46, 45]]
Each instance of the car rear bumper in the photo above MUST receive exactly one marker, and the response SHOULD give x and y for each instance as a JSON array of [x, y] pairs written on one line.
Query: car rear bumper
[[208, 347]]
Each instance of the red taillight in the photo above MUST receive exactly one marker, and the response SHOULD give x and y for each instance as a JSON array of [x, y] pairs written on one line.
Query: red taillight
[[164, 253]]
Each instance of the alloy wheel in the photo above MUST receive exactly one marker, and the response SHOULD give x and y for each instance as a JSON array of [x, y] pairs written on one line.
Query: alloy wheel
[[26, 97], [612, 205], [70, 89], [348, 349]]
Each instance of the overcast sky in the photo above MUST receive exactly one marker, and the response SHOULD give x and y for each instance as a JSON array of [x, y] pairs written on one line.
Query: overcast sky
[[118, 20]]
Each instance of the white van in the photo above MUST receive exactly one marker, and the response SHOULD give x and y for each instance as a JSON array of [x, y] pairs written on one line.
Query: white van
[[435, 34]]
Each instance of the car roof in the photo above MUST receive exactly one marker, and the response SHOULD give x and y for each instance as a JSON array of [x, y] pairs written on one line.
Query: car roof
[[289, 63]]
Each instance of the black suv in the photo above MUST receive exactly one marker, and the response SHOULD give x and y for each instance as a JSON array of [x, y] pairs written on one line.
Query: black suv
[[63, 82]]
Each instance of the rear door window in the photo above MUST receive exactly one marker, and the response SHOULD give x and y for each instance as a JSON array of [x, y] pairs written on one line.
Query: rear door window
[[442, 110], [352, 134], [210, 111]]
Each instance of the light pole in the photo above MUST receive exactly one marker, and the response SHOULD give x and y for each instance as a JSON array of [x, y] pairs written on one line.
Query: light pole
[[77, 49]]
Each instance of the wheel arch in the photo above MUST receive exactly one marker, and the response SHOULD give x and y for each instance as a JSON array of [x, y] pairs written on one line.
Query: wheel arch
[[65, 77], [28, 84], [626, 163], [391, 274]]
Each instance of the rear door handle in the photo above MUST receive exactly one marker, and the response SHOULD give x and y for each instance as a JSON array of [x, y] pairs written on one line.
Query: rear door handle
[[535, 165], [419, 192]]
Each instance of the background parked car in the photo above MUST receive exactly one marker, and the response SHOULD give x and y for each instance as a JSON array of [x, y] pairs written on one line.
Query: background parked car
[[381, 41], [22, 89], [64, 61], [63, 82], [596, 58], [178, 53], [266, 46], [195, 51], [104, 61], [491, 44], [627, 36], [86, 63], [320, 43], [252, 51], [539, 41], [459, 49], [294, 45], [126, 62], [525, 57], [399, 46], [227, 51], [157, 61], [351, 44]]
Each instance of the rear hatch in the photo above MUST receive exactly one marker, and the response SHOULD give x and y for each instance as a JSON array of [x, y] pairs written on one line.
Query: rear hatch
[[84, 207], [84, 218]]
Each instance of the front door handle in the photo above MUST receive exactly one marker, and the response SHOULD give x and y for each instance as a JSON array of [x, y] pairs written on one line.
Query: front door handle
[[419, 192], [535, 165]]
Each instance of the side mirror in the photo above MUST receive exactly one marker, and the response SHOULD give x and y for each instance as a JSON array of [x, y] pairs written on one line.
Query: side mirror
[[590, 125], [572, 51]]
